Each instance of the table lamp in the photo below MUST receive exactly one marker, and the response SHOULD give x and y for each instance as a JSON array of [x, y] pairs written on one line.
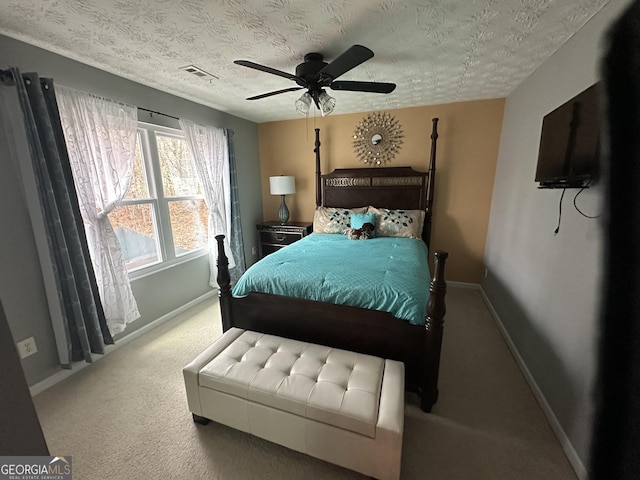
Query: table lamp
[[282, 185]]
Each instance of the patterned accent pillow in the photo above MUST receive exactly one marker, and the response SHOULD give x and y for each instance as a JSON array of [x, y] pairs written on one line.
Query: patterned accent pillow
[[398, 223], [334, 220], [359, 219]]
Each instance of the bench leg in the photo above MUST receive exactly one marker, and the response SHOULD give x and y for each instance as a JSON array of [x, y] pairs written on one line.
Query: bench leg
[[427, 401], [200, 420]]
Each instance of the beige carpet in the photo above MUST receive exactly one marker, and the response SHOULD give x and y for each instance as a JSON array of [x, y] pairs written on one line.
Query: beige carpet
[[126, 417]]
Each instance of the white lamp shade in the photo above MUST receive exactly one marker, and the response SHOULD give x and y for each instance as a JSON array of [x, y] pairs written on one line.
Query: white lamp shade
[[327, 103], [282, 185], [303, 104]]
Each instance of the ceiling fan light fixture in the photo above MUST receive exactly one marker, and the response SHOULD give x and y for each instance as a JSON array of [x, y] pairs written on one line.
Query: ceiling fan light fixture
[[303, 104], [314, 74], [327, 103]]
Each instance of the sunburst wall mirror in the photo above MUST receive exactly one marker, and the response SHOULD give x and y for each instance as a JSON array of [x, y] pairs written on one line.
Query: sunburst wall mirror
[[377, 138]]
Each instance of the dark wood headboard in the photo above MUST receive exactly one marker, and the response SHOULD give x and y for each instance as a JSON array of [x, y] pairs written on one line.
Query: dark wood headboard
[[382, 187]]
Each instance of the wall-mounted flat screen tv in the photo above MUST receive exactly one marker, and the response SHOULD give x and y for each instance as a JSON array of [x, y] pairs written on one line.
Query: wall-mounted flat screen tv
[[570, 142]]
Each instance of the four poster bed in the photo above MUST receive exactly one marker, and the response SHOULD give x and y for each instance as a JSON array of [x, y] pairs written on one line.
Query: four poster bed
[[417, 343]]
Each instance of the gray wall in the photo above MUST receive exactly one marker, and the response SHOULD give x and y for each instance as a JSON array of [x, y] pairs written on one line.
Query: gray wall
[[21, 284], [21, 431], [546, 288]]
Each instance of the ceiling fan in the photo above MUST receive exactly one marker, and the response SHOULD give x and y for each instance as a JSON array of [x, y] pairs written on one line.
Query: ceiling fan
[[314, 74]]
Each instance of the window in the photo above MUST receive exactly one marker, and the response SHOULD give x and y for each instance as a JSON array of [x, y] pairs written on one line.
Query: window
[[163, 216]]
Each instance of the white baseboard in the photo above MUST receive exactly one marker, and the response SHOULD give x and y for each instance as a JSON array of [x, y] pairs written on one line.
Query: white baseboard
[[77, 366], [566, 444]]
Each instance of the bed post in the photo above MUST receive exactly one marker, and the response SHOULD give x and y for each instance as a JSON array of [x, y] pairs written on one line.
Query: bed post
[[434, 326], [318, 171], [431, 184], [224, 284]]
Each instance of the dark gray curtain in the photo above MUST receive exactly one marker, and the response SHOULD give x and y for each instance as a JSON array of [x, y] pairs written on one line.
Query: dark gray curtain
[[236, 242], [84, 322]]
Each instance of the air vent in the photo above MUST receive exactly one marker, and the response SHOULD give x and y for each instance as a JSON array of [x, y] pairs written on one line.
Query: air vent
[[197, 71]]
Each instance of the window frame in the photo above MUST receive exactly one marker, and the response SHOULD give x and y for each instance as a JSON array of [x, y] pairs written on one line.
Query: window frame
[[147, 133]]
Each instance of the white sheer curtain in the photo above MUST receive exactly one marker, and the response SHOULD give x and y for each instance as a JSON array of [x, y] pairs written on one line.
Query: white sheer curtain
[[101, 140], [210, 152]]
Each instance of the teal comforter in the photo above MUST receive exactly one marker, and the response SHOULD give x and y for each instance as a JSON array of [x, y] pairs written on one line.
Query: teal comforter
[[385, 273]]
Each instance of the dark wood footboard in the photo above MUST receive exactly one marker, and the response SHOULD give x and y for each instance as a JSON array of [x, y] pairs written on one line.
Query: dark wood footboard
[[350, 328]]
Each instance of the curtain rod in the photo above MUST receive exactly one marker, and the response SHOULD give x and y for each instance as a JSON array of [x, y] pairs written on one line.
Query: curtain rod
[[158, 113]]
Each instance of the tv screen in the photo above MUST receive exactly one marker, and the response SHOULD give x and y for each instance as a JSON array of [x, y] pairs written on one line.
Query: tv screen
[[570, 142]]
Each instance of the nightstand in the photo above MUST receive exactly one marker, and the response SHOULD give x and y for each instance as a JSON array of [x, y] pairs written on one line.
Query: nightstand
[[274, 236]]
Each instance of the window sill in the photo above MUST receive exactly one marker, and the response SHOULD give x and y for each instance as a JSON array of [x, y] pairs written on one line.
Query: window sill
[[159, 267]]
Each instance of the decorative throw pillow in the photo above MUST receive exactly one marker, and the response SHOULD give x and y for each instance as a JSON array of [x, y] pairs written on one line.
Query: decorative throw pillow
[[333, 220], [398, 223], [358, 220], [363, 233]]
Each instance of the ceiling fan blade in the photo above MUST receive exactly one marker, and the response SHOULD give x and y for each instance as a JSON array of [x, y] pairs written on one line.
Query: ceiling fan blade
[[262, 68], [277, 92], [373, 87], [353, 57]]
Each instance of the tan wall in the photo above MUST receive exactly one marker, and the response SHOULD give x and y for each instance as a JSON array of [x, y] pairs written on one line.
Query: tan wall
[[467, 150]]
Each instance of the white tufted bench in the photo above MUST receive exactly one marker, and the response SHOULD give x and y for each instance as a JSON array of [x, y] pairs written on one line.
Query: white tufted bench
[[343, 407]]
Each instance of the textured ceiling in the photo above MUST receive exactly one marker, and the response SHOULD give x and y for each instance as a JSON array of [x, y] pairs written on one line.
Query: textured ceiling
[[436, 51]]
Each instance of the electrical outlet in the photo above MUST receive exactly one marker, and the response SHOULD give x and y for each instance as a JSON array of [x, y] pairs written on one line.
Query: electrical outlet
[[27, 347], [253, 250]]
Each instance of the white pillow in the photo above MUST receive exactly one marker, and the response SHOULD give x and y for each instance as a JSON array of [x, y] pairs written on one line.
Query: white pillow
[[398, 223], [333, 219]]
